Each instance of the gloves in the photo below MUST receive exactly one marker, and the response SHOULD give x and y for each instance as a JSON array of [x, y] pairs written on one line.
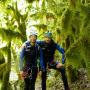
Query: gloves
[[63, 58]]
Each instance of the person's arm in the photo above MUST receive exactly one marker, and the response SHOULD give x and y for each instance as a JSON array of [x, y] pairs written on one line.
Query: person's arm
[[22, 54], [39, 42], [41, 60], [61, 50], [42, 65]]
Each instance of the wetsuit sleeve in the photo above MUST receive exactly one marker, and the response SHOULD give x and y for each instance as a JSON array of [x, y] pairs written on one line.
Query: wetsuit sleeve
[[61, 50], [41, 60], [39, 42], [22, 54]]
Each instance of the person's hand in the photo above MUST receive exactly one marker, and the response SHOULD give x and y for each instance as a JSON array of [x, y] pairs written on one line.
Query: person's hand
[[48, 69], [59, 65], [20, 75], [40, 73]]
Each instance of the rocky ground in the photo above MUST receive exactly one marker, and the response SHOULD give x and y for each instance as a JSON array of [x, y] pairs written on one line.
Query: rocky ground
[[55, 83], [81, 84]]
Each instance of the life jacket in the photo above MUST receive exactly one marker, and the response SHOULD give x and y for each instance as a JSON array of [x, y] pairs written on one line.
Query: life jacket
[[31, 54]]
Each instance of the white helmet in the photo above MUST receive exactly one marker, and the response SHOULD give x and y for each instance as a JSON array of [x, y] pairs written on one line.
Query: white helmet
[[32, 31]]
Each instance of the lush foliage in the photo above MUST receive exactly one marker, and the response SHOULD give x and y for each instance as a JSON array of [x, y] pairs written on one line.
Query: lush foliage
[[68, 20]]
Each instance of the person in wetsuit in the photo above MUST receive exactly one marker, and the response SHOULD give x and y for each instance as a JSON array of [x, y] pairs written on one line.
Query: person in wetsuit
[[49, 47]]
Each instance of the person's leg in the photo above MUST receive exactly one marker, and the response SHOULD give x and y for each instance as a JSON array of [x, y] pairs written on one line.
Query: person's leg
[[33, 78], [27, 84], [64, 77], [43, 77], [58, 66]]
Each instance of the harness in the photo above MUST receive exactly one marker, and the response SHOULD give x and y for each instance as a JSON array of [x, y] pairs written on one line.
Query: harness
[[27, 72]]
